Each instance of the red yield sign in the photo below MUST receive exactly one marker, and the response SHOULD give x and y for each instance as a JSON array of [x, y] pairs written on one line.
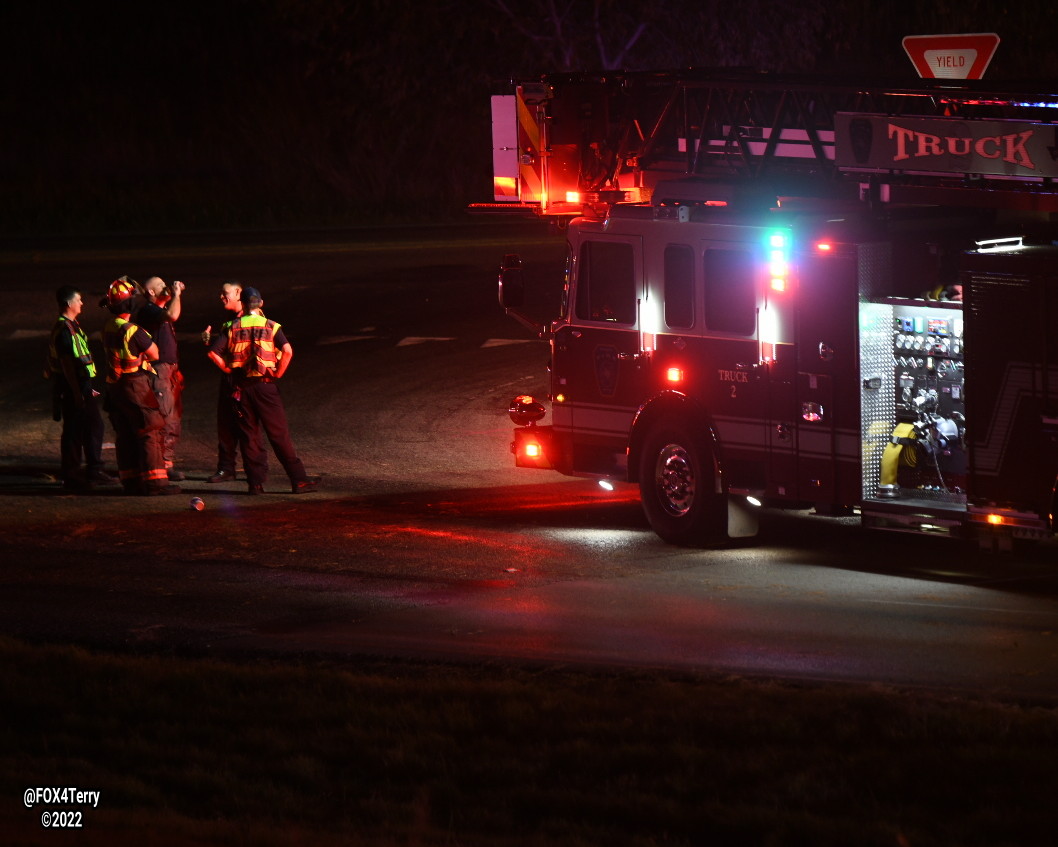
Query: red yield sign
[[951, 56]]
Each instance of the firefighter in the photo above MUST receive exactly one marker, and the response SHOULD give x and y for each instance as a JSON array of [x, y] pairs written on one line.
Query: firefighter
[[256, 353], [157, 316], [227, 422], [76, 401], [131, 399]]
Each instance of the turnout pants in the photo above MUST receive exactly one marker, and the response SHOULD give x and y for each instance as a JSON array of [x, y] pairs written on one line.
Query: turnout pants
[[169, 387], [138, 432]]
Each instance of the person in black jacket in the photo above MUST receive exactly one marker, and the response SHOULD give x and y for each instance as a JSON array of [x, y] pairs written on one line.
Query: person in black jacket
[[77, 403], [158, 316]]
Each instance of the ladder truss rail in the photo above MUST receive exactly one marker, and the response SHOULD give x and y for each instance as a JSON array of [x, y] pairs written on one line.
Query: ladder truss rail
[[739, 124]]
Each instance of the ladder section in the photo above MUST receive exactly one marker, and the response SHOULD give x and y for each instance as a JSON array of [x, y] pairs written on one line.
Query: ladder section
[[600, 139]]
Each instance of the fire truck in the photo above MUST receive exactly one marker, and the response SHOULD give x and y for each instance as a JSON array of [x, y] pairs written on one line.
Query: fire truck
[[795, 293]]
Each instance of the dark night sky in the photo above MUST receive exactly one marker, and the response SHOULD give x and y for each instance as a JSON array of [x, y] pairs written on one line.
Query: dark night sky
[[279, 112]]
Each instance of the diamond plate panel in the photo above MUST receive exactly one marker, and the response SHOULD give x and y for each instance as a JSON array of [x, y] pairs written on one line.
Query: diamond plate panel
[[877, 406]]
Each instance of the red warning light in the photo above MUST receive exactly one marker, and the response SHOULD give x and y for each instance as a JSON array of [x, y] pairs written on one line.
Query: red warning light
[[824, 246]]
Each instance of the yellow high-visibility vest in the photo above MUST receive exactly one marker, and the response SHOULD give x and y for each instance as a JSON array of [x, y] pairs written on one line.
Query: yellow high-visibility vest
[[80, 347], [251, 345], [119, 356]]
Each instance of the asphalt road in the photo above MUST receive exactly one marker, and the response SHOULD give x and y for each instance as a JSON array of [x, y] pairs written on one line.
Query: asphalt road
[[423, 541]]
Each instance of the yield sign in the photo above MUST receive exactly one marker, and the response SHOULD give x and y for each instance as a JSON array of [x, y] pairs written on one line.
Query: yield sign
[[951, 56]]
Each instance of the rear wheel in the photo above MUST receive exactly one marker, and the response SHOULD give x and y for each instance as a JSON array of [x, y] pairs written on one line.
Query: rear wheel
[[677, 485]]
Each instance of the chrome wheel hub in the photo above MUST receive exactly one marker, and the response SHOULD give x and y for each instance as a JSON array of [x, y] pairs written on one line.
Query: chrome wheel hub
[[674, 478]]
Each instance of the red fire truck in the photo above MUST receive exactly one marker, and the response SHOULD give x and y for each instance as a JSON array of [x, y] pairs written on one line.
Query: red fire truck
[[794, 293]]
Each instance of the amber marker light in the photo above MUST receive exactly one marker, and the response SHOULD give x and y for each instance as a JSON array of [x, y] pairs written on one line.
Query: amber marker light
[[996, 520]]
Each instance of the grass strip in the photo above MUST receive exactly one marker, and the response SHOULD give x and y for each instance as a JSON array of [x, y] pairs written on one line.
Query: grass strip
[[205, 752]]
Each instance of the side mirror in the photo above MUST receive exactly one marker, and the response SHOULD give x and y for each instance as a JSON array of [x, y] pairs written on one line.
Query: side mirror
[[512, 282], [512, 292]]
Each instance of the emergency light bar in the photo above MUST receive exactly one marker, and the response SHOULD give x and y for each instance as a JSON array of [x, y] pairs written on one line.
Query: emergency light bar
[[1020, 104], [778, 260]]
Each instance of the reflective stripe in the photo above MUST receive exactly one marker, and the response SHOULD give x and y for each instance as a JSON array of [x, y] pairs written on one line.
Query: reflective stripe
[[120, 360], [251, 345]]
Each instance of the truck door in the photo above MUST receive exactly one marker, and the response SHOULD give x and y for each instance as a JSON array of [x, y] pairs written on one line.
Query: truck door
[[736, 389], [599, 368]]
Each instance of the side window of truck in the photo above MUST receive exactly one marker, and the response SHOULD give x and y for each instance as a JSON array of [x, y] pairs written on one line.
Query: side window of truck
[[679, 286], [730, 295], [606, 282]]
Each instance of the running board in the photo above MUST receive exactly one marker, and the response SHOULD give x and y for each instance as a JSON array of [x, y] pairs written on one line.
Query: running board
[[896, 518]]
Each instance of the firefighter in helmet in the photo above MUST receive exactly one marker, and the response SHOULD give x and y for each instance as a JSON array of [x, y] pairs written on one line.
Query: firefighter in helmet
[[131, 399], [255, 351]]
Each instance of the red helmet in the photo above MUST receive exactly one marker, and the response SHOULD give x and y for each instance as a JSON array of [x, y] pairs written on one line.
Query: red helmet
[[121, 289]]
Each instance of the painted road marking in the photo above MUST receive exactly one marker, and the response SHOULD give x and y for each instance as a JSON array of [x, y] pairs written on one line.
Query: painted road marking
[[343, 339], [503, 342], [413, 339]]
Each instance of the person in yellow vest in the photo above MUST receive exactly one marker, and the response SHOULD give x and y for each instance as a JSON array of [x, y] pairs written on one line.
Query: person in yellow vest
[[72, 370], [131, 399], [255, 351]]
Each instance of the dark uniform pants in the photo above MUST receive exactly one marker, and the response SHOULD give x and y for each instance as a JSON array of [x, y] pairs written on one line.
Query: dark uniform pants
[[82, 434], [227, 426], [261, 408], [138, 431]]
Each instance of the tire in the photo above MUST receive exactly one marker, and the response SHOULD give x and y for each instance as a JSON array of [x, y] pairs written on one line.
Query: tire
[[677, 486]]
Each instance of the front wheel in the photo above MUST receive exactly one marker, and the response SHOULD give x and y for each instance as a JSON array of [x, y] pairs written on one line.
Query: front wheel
[[677, 484]]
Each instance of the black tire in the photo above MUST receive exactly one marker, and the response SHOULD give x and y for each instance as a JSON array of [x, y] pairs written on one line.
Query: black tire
[[677, 485]]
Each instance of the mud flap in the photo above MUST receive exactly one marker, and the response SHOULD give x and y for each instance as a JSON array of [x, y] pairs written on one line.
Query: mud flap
[[742, 518]]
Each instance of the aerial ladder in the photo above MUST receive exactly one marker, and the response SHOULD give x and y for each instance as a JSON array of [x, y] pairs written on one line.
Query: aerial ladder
[[572, 144]]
